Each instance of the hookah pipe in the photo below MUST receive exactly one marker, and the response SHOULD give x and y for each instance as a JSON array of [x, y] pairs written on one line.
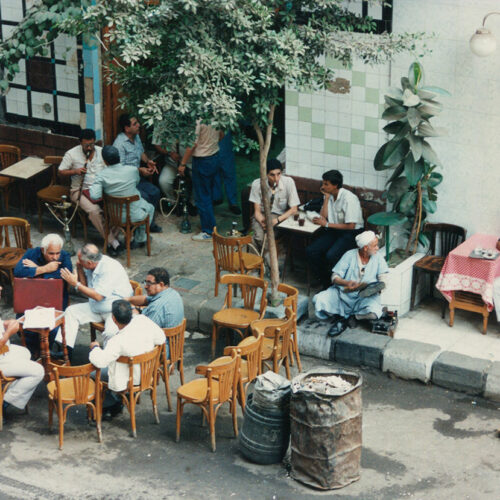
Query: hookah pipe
[[87, 155]]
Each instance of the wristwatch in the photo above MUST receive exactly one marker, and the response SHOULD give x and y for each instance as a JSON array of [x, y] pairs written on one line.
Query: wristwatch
[[77, 285]]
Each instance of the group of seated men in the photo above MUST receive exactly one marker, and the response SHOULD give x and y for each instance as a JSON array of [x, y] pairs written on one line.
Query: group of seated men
[[132, 322]]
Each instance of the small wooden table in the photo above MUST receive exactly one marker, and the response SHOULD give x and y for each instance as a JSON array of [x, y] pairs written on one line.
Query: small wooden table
[[304, 233], [24, 170], [44, 341]]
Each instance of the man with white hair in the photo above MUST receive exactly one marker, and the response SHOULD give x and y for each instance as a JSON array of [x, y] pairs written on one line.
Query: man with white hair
[[107, 281], [352, 292], [45, 261]]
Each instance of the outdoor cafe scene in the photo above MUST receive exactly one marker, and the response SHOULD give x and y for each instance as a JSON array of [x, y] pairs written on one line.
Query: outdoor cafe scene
[[177, 235]]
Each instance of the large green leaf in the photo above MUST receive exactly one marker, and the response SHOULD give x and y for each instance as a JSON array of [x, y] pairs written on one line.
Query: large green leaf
[[429, 154], [378, 161], [429, 205], [414, 117], [413, 170], [435, 179], [430, 107], [394, 127], [426, 94], [395, 152], [386, 219], [397, 189], [425, 129], [407, 203], [397, 172], [436, 90], [416, 74], [415, 146], [392, 102], [405, 83], [423, 239], [394, 113], [410, 99], [395, 93]]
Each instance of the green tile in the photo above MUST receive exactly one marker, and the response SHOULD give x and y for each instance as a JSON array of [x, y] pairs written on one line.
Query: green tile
[[344, 149], [358, 78], [331, 147], [291, 98], [305, 114], [381, 109], [372, 95], [318, 130], [371, 124], [357, 137]]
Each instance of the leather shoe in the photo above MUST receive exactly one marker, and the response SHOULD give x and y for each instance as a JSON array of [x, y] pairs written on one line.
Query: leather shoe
[[235, 209], [112, 411], [155, 228]]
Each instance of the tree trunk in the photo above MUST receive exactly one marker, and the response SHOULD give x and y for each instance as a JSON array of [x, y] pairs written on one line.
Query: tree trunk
[[264, 145]]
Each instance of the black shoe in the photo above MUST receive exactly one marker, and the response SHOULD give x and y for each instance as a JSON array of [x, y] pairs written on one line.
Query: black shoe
[[372, 289], [112, 251], [134, 244], [112, 411], [352, 322], [337, 327], [235, 209], [217, 202], [155, 228], [59, 356]]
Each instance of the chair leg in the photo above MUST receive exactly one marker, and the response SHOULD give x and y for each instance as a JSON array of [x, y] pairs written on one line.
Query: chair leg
[[287, 369], [155, 404], [60, 415], [452, 315], [414, 282], [181, 370], [178, 420], [217, 278], [242, 395], [214, 338], [234, 411], [92, 333], [51, 410], [131, 398], [211, 423], [127, 243], [485, 322], [166, 378], [296, 350]]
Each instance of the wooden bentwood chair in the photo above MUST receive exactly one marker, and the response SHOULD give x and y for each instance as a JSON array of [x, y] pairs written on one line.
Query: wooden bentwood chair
[[12, 251], [175, 341], [8, 156], [210, 393], [99, 326], [229, 256], [76, 388], [4, 385], [443, 239], [114, 208], [148, 365], [239, 318]]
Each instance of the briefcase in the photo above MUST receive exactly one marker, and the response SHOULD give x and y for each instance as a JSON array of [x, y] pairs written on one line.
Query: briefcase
[[32, 292]]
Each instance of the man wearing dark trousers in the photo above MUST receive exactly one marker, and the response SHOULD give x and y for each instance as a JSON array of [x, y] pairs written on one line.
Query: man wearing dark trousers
[[342, 220]]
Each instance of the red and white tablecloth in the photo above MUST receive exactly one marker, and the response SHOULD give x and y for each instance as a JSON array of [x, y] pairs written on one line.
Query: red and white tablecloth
[[461, 272]]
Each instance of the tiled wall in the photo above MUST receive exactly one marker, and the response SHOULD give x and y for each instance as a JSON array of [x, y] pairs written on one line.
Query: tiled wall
[[343, 131], [329, 130]]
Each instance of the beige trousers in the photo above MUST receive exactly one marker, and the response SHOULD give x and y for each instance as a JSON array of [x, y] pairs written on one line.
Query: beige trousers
[[258, 239]]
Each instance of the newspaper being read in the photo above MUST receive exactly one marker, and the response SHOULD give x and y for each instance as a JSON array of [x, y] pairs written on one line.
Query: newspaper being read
[[40, 317]]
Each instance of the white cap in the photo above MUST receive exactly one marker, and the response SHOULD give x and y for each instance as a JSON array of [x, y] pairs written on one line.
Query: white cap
[[365, 238]]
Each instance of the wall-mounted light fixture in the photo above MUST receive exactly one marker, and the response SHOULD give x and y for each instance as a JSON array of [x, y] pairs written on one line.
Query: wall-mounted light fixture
[[482, 42]]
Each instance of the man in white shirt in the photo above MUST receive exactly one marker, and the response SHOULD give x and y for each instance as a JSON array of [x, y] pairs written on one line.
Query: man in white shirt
[[82, 163], [107, 281], [342, 220], [136, 335], [15, 361], [282, 195]]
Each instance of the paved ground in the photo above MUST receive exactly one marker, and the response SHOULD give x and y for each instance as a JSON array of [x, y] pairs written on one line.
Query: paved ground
[[418, 441]]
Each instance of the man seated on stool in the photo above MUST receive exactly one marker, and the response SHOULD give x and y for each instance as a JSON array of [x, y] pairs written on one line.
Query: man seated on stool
[[356, 269], [122, 180], [15, 362], [342, 218], [163, 304], [107, 281], [136, 335], [45, 261], [283, 198]]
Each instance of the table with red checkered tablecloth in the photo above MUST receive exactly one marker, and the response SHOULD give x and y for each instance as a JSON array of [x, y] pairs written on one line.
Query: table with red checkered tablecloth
[[461, 272]]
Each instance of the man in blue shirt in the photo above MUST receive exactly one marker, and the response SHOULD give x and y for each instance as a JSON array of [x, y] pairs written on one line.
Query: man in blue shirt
[[163, 304], [131, 151], [45, 261]]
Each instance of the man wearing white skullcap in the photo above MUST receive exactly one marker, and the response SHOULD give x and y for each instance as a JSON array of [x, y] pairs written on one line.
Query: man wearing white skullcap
[[348, 296]]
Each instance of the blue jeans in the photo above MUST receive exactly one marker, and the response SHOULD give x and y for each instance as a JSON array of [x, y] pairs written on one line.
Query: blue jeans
[[227, 171], [149, 192], [204, 178]]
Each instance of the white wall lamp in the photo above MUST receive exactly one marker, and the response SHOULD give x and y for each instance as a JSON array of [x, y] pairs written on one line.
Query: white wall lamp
[[482, 42]]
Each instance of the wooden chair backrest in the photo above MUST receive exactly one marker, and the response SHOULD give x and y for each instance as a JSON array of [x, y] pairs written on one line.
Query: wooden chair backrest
[[54, 162], [175, 339], [444, 237], [226, 248], [9, 155], [136, 287], [224, 375], [81, 380], [114, 206], [250, 349], [282, 332], [292, 296], [20, 229], [249, 285], [148, 363]]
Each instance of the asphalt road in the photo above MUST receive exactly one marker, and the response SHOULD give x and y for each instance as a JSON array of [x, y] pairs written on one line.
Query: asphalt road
[[418, 442]]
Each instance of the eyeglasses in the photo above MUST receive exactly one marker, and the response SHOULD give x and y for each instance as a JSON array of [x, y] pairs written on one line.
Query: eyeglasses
[[149, 283]]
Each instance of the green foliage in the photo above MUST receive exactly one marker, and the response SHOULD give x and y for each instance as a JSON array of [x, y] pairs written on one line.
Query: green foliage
[[411, 187]]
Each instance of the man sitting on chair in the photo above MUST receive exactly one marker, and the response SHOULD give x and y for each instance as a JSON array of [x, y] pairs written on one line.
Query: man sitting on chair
[[136, 335], [107, 281], [45, 261], [354, 271], [122, 180], [15, 362]]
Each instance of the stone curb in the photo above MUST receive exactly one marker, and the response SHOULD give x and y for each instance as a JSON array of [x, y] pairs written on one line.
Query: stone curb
[[360, 348], [492, 386]]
